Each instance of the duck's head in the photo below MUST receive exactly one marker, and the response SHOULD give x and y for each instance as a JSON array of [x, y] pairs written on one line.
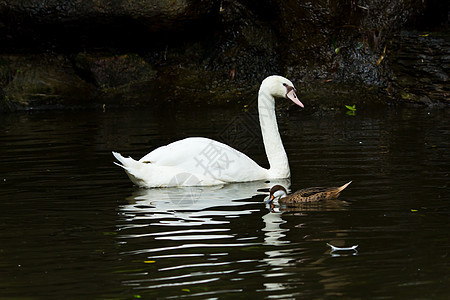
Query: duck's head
[[280, 87], [276, 192]]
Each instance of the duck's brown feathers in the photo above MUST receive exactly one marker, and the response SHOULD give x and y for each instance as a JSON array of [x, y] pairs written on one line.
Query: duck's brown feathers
[[313, 194]]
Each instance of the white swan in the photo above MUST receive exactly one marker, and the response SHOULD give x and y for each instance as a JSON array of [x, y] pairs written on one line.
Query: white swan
[[198, 161]]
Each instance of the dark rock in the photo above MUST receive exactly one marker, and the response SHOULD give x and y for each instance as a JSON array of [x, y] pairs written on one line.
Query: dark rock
[[41, 81], [421, 66], [129, 52], [113, 71], [155, 14], [120, 78]]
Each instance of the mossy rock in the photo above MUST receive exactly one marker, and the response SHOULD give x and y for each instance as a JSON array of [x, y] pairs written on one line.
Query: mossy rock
[[40, 81]]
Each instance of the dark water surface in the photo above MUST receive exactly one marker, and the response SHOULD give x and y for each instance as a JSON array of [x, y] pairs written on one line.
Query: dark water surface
[[72, 226]]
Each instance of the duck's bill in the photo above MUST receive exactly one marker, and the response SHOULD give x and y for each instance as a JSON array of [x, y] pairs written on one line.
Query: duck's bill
[[269, 200], [293, 97]]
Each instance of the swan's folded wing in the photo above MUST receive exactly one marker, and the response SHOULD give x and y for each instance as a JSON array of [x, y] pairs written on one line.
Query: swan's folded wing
[[207, 157]]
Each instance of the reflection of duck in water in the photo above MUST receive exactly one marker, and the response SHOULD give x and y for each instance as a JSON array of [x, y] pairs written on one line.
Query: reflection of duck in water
[[304, 195]]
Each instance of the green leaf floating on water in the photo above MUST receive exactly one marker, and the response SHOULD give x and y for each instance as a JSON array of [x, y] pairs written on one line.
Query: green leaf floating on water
[[352, 108]]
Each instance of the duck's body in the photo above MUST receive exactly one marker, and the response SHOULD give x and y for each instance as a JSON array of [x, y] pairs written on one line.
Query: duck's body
[[202, 161], [311, 194]]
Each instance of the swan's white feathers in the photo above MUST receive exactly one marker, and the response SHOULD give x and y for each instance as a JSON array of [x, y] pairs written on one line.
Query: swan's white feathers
[[207, 157], [209, 161], [202, 161]]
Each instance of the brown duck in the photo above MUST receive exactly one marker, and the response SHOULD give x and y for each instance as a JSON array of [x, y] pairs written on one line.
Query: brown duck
[[305, 195]]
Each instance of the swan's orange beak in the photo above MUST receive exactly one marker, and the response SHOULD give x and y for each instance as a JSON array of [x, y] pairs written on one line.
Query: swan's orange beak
[[292, 96]]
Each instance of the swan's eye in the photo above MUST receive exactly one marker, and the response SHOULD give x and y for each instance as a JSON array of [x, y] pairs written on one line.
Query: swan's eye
[[285, 84]]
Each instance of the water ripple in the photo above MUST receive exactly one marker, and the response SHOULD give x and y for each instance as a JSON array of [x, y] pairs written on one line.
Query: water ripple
[[72, 222]]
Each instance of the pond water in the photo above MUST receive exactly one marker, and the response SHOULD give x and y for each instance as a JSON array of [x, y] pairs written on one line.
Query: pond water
[[73, 226]]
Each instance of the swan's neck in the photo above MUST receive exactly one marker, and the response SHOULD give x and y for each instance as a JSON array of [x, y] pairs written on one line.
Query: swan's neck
[[278, 161]]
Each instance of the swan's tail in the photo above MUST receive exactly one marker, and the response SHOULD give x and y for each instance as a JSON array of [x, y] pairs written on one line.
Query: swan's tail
[[126, 162], [132, 168], [146, 174], [341, 188]]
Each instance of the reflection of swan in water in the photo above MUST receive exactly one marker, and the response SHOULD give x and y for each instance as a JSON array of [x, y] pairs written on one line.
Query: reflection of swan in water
[[275, 234], [192, 206], [272, 231]]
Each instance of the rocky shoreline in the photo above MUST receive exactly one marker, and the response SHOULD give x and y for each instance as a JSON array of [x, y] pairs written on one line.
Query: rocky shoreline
[[128, 53]]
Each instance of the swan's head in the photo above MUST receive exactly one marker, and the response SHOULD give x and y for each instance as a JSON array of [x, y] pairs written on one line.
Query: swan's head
[[276, 192], [280, 87]]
